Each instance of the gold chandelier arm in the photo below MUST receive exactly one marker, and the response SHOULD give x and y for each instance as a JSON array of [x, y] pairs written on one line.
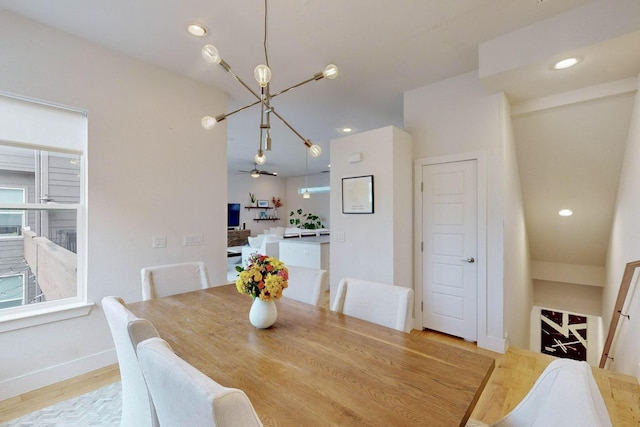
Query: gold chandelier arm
[[227, 68], [224, 116], [235, 76], [306, 141], [293, 87]]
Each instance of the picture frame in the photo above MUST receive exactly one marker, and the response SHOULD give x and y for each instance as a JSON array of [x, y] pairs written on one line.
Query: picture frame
[[263, 203], [553, 341], [357, 195]]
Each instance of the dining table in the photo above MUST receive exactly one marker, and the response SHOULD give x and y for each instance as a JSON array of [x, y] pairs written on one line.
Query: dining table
[[316, 367]]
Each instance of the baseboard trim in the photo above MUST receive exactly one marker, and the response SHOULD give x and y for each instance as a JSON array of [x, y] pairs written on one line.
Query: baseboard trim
[[492, 343], [34, 380]]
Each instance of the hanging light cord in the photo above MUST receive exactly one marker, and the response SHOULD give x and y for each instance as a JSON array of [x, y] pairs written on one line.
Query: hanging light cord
[[266, 56]]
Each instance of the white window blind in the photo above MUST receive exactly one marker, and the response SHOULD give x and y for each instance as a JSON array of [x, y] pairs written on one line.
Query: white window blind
[[35, 123]]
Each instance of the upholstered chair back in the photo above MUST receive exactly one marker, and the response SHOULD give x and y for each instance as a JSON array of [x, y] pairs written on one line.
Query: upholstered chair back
[[170, 279], [306, 284], [137, 409], [184, 396], [380, 303]]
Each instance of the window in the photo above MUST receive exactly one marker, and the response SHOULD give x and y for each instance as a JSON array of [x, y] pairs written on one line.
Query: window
[[11, 222], [41, 208], [11, 290], [314, 190]]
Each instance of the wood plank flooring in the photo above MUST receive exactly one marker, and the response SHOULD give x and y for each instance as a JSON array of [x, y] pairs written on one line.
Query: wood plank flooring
[[515, 373]]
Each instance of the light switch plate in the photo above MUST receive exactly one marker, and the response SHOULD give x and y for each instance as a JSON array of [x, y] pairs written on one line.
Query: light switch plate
[[192, 239], [159, 242]]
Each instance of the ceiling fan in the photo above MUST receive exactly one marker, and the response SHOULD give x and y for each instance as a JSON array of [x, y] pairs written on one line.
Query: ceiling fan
[[255, 172]]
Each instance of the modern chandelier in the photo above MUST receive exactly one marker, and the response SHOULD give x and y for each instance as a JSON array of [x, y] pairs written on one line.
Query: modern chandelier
[[262, 74]]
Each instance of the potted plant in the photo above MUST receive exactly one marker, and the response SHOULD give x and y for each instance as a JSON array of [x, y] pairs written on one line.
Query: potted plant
[[304, 220], [276, 204]]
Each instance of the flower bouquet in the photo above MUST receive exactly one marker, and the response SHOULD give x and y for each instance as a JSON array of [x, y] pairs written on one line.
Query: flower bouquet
[[265, 277], [276, 202]]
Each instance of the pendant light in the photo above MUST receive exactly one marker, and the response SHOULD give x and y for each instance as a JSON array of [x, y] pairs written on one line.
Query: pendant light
[[262, 74]]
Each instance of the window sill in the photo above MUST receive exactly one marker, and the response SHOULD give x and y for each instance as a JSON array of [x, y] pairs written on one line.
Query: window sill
[[41, 315]]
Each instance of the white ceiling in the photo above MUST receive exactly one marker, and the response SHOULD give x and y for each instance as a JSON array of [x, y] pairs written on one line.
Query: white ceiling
[[383, 48]]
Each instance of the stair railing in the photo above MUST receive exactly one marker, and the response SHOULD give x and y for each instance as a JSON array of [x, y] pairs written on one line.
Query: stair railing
[[629, 271]]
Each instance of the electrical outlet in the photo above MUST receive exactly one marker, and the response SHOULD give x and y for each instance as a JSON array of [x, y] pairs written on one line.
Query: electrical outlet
[[159, 242], [192, 239]]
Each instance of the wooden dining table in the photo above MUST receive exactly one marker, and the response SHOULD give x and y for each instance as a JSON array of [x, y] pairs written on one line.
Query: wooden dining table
[[315, 367]]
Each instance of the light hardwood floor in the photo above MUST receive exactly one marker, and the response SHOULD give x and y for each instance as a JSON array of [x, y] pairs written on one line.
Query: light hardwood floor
[[514, 374]]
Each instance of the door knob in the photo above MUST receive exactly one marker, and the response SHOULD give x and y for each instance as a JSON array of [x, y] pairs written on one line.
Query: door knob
[[469, 260]]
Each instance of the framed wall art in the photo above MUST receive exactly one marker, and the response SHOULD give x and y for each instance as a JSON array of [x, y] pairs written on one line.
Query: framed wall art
[[563, 334], [263, 203], [357, 195]]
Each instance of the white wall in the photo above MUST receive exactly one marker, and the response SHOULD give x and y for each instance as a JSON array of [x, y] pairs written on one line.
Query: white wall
[[458, 116], [624, 247], [371, 248], [153, 171], [239, 186], [518, 289], [318, 204], [568, 297]]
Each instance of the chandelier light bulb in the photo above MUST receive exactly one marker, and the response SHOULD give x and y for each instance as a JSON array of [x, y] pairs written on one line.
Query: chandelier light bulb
[[331, 71], [260, 158], [210, 54], [315, 150], [262, 74], [208, 122]]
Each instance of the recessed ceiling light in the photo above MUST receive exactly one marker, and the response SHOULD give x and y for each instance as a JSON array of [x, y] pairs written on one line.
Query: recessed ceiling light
[[566, 63], [565, 212], [346, 130], [197, 30]]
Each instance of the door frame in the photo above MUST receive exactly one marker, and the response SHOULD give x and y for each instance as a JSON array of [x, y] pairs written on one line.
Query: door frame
[[481, 191]]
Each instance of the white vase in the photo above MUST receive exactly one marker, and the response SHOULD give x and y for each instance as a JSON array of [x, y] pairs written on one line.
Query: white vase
[[263, 313]]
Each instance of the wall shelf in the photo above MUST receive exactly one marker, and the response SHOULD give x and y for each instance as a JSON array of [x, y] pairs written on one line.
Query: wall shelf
[[258, 207], [266, 219]]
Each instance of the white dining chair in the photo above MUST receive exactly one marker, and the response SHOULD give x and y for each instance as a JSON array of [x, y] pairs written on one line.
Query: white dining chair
[[170, 279], [137, 408], [565, 394], [306, 284], [184, 396], [380, 303]]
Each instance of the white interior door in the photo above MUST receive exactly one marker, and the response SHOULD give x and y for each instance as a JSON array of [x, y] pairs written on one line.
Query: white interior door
[[449, 265]]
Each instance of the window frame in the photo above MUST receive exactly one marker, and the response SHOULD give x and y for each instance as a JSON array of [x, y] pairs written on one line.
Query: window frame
[[24, 316]]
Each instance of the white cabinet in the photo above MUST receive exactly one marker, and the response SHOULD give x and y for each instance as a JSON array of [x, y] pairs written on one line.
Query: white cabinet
[[309, 252]]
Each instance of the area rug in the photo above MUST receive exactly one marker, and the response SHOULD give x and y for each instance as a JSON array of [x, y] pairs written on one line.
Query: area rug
[[98, 408]]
